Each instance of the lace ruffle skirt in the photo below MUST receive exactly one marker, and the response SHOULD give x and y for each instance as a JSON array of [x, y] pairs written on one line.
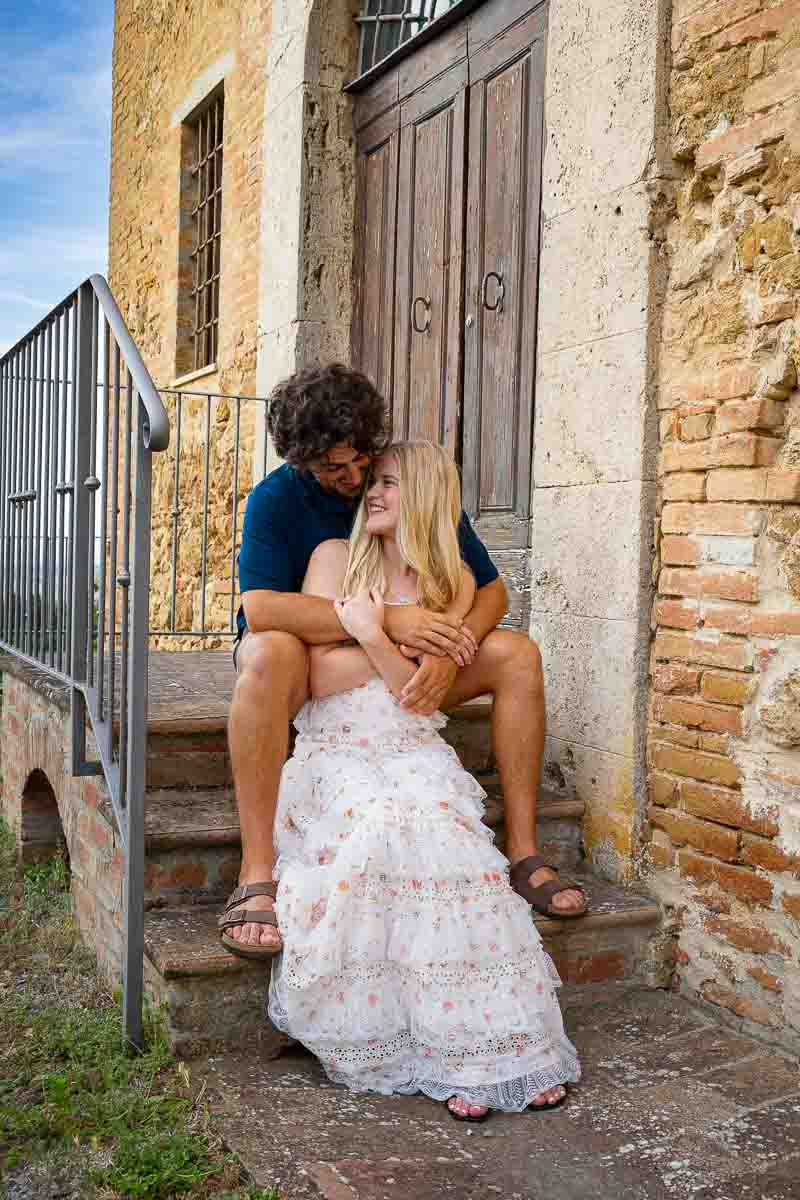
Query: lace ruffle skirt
[[409, 965]]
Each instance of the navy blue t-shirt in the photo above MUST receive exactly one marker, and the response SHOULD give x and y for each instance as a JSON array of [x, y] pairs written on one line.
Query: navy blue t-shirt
[[288, 515]]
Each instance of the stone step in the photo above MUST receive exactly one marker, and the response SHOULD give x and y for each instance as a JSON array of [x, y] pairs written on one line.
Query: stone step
[[213, 999], [192, 752], [192, 840]]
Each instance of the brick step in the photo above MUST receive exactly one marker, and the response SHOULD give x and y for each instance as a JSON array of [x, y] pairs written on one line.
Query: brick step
[[215, 1000], [193, 752], [192, 840]]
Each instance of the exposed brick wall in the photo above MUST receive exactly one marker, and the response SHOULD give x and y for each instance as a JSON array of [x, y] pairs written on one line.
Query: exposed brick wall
[[34, 737], [725, 701], [161, 50]]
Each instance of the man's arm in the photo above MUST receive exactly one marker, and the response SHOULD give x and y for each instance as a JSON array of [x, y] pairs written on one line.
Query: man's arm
[[314, 621], [310, 618], [488, 610], [427, 689]]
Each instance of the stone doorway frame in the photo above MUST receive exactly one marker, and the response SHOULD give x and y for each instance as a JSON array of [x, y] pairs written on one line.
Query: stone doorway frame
[[601, 284]]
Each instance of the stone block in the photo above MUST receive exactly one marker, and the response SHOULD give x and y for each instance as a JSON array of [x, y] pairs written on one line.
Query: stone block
[[704, 799], [592, 421], [708, 649], [697, 714], [594, 670], [691, 486], [739, 881], [737, 483], [750, 414], [722, 585], [761, 24], [673, 678], [711, 518], [605, 783], [729, 450], [581, 537], [678, 614], [583, 37], [703, 835], [715, 18], [594, 270], [696, 764], [595, 149], [732, 142], [774, 89]]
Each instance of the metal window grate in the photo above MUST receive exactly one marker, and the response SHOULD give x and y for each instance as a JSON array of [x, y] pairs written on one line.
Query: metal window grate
[[387, 24], [207, 224]]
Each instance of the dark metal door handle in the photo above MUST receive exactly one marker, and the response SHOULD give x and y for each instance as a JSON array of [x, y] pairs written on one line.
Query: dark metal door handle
[[426, 300], [501, 291]]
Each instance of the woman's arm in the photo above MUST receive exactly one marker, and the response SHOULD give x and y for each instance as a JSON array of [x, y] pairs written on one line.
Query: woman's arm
[[363, 618], [332, 667]]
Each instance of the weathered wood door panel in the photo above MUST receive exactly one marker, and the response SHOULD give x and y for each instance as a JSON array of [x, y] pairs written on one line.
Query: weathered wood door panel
[[428, 372], [502, 247], [447, 264], [376, 230]]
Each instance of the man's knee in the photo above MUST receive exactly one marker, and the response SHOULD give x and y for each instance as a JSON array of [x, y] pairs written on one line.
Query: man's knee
[[275, 663], [509, 651]]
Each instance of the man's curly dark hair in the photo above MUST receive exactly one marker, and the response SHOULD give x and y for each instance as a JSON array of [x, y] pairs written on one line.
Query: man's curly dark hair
[[319, 407]]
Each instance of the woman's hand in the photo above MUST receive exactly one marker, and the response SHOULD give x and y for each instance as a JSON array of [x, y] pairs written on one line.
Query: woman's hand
[[362, 616]]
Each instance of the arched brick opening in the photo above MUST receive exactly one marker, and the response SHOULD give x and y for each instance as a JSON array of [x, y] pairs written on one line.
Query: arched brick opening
[[41, 831]]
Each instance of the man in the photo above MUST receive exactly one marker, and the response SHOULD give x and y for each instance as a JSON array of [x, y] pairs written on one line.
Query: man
[[328, 423]]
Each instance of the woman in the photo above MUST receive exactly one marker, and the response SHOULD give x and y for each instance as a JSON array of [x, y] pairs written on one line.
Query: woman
[[409, 964]]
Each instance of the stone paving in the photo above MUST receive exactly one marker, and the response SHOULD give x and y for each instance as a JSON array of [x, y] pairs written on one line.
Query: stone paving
[[672, 1105]]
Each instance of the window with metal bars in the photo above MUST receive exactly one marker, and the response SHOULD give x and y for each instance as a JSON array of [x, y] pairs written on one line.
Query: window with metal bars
[[206, 215], [388, 24]]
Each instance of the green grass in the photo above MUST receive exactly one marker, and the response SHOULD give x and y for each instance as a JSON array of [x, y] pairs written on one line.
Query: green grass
[[76, 1105]]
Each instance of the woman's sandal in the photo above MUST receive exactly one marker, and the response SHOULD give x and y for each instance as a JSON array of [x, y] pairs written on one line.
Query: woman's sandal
[[537, 1108], [465, 1116], [233, 915], [540, 897]]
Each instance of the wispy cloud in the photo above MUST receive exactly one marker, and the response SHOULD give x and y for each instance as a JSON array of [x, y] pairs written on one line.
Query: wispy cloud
[[55, 104]]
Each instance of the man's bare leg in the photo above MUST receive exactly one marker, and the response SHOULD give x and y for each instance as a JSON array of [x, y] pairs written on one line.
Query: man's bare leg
[[508, 665], [271, 688]]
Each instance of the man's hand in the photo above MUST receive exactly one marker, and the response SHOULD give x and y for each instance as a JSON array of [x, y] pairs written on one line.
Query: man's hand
[[427, 688], [431, 633]]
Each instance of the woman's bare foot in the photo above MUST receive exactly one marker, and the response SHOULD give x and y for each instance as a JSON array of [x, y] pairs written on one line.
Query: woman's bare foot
[[549, 1098], [462, 1108]]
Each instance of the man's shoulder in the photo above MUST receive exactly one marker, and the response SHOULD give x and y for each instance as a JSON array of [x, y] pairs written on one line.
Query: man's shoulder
[[280, 485]]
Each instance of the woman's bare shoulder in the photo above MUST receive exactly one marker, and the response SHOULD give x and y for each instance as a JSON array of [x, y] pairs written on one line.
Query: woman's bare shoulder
[[326, 569], [331, 551]]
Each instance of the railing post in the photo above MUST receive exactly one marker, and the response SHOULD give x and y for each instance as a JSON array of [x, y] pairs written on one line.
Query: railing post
[[136, 764], [82, 535]]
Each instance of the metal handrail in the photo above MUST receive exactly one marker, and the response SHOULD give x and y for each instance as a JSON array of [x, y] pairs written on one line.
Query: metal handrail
[[157, 424], [80, 419]]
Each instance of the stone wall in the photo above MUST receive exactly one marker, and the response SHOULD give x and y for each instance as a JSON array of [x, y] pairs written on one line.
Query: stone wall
[[168, 56], [595, 443], [725, 702]]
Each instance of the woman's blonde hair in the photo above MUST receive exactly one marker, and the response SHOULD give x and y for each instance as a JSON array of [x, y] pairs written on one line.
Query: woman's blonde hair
[[427, 530]]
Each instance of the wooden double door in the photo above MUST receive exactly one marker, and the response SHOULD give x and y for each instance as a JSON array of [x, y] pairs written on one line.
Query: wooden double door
[[449, 178]]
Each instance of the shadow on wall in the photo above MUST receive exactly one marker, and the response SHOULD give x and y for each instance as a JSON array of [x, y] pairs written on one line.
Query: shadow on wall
[[41, 833]]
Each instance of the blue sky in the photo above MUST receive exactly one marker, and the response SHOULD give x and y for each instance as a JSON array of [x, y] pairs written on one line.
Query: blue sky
[[55, 114]]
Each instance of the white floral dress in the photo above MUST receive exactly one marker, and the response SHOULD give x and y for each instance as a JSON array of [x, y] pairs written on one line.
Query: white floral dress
[[409, 964]]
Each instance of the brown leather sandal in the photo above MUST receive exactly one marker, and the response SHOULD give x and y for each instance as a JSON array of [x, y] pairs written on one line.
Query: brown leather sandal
[[232, 916], [540, 898]]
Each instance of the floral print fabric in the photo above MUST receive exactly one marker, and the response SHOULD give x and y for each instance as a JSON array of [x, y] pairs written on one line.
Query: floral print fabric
[[409, 964]]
